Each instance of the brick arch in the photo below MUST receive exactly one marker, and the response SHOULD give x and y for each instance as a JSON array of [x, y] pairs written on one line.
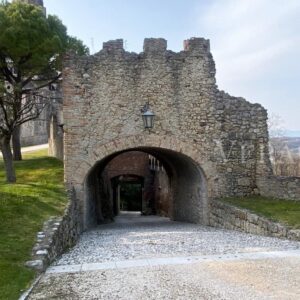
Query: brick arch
[[134, 163]]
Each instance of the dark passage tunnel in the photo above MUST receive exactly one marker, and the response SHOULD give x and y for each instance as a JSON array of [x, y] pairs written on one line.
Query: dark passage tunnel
[[170, 183], [127, 192]]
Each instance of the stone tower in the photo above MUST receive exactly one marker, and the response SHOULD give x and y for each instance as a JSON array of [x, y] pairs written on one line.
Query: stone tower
[[35, 132], [34, 2]]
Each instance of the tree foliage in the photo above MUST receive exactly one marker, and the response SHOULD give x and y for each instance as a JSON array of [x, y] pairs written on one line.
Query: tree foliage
[[77, 46], [285, 160], [32, 46], [30, 42]]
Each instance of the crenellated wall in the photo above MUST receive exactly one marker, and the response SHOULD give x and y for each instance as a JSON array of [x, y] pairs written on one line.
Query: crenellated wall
[[227, 137]]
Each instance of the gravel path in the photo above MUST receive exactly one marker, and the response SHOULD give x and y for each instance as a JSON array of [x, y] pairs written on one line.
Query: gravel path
[[269, 279], [239, 266], [136, 237]]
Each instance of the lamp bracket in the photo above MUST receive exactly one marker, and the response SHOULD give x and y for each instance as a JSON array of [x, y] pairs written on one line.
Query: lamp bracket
[[145, 108]]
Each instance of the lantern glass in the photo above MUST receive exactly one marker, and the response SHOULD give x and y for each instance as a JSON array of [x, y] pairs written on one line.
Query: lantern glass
[[148, 118]]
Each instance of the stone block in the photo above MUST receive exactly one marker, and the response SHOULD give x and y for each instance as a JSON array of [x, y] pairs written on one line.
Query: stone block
[[42, 252], [244, 181], [198, 44], [294, 234], [35, 264], [113, 45], [152, 45]]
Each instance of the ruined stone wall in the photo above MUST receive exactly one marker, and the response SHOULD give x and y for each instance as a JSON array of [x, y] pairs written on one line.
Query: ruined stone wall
[[280, 187], [244, 144], [224, 215], [35, 132], [103, 95], [34, 2], [45, 129]]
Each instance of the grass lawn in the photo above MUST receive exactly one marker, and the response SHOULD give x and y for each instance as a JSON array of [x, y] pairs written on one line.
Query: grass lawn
[[285, 212], [38, 194]]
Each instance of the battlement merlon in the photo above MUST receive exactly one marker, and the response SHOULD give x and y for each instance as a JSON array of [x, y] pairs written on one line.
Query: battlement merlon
[[159, 45], [114, 45], [152, 45], [197, 44]]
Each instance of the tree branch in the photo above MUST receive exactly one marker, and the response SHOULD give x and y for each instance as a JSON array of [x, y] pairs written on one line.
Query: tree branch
[[45, 84]]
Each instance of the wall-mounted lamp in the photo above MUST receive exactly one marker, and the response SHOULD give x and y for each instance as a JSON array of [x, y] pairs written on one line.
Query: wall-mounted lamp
[[148, 116]]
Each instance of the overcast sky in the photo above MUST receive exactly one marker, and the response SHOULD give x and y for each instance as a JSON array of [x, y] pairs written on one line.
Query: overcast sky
[[255, 43]]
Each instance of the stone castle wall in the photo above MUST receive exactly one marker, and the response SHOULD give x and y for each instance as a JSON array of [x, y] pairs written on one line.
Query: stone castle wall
[[58, 235], [224, 215], [35, 132], [280, 187], [103, 95], [46, 129]]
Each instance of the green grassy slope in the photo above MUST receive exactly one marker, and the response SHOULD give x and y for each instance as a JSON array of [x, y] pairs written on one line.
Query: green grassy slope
[[282, 211], [38, 194]]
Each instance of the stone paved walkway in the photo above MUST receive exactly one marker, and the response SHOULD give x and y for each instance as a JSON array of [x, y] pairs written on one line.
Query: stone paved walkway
[[153, 258]]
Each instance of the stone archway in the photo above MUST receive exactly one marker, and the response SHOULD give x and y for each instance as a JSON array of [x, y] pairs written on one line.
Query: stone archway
[[191, 178], [205, 127]]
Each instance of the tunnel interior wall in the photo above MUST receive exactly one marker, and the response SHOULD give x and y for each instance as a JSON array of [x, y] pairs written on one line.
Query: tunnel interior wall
[[162, 191], [175, 194]]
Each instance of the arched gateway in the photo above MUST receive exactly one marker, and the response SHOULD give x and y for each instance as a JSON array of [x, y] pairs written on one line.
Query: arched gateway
[[211, 144], [187, 174]]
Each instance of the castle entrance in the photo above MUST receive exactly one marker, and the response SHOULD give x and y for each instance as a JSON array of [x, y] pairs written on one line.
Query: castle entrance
[[150, 180]]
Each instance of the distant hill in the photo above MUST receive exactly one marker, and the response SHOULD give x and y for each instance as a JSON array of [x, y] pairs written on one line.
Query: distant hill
[[293, 133], [292, 142]]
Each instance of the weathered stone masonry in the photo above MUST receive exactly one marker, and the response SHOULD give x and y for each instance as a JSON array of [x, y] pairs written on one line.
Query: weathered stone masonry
[[225, 137], [224, 215], [57, 235]]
